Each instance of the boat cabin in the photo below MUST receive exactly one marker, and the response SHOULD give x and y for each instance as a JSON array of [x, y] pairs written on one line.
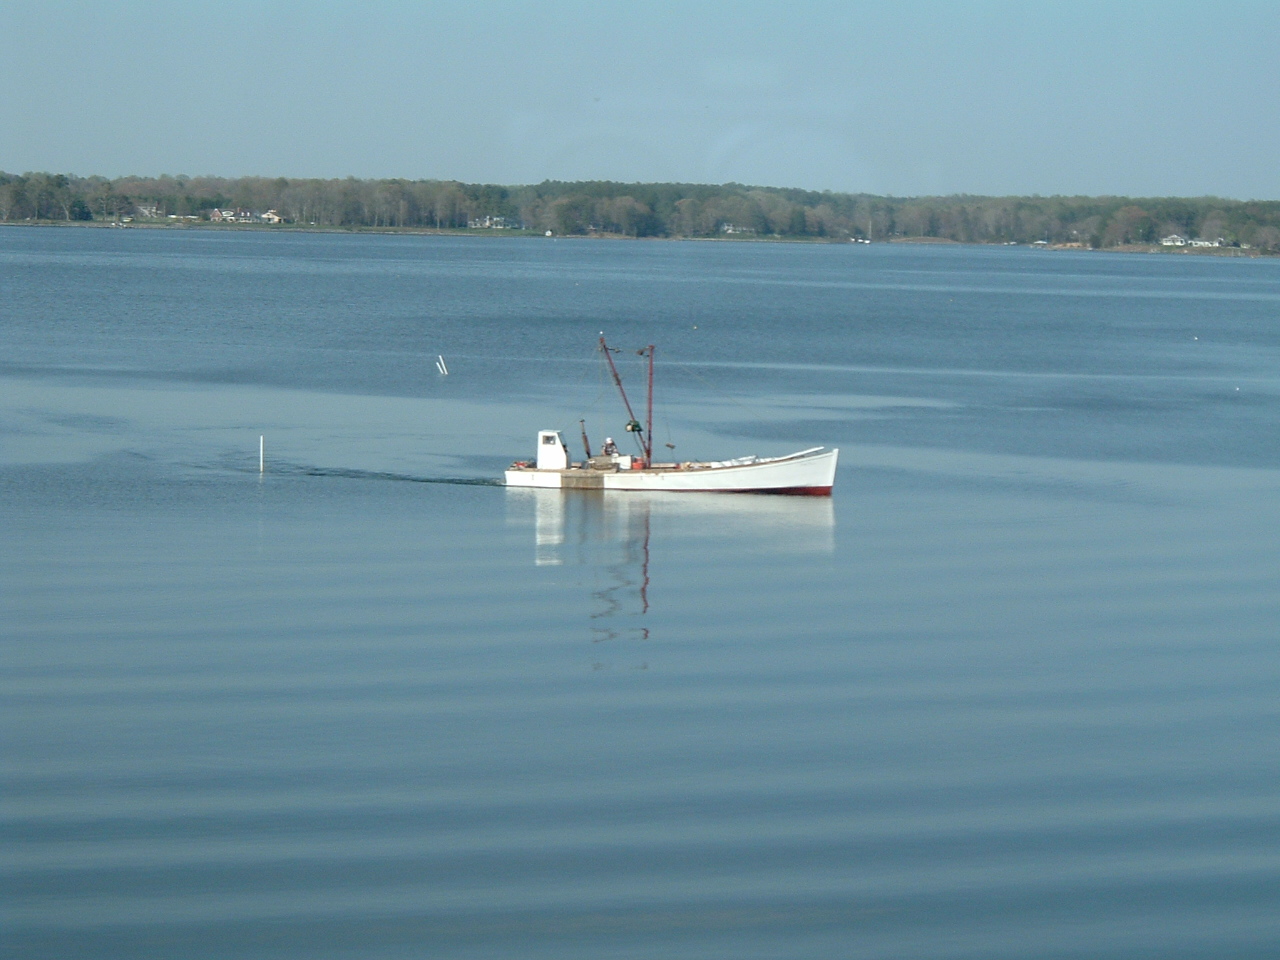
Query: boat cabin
[[552, 453]]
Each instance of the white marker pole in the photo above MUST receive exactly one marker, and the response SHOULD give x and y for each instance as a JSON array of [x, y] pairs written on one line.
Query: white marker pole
[[262, 454]]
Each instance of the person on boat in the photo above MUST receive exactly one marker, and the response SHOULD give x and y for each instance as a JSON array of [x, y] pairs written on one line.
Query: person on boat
[[610, 448]]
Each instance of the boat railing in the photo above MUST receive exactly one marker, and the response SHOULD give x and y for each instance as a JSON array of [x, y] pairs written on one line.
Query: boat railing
[[749, 461]]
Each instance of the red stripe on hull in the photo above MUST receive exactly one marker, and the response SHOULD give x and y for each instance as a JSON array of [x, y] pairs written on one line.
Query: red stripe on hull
[[784, 491]]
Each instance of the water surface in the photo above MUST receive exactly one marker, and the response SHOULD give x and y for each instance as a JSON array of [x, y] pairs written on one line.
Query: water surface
[[1011, 692]]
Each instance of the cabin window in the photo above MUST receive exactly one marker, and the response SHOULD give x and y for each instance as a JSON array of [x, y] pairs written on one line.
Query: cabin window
[[550, 439]]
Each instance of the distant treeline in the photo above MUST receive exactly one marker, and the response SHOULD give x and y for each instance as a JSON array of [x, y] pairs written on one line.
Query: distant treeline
[[642, 209]]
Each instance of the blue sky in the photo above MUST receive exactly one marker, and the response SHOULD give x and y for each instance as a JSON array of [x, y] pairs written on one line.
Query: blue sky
[[906, 98]]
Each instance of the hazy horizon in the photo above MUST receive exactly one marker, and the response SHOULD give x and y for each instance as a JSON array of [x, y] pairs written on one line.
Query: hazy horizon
[[921, 99]]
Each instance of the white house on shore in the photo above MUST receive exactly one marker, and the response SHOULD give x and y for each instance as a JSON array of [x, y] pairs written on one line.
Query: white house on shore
[[1173, 240], [244, 216]]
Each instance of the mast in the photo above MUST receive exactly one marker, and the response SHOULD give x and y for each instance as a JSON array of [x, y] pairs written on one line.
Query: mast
[[648, 435]]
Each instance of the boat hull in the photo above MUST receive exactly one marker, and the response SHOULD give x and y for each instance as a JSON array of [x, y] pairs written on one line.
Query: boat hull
[[810, 473]]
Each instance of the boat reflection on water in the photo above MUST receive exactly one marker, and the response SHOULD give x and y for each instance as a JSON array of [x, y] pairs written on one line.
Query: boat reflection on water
[[614, 538]]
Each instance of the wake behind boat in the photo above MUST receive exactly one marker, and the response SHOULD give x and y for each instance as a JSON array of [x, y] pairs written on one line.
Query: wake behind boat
[[809, 472]]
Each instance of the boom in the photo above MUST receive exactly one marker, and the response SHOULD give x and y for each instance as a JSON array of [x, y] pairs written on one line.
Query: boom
[[633, 425]]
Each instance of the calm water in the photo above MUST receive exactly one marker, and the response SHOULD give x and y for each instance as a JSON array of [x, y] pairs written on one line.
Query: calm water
[[1013, 692]]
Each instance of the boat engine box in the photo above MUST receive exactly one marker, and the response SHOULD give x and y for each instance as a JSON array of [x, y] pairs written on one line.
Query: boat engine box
[[611, 462]]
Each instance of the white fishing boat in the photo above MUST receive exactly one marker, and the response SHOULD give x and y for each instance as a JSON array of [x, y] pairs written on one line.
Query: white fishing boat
[[808, 472]]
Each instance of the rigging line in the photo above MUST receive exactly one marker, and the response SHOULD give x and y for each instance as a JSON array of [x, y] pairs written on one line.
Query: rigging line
[[580, 388], [688, 368], [602, 372], [601, 389]]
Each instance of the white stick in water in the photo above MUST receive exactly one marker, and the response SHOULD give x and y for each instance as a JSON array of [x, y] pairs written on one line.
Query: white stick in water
[[262, 454], [441, 366]]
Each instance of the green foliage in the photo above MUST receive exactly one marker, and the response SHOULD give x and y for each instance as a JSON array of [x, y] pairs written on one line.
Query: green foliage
[[648, 209]]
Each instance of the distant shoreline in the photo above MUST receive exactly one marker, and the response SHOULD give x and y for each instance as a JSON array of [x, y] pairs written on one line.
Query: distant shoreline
[[205, 226], [727, 211]]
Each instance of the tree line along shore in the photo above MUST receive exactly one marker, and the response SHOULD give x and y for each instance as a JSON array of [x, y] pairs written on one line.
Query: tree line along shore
[[675, 210]]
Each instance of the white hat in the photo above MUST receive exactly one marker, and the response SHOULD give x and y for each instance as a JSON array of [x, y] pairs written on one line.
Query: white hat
[[608, 439]]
